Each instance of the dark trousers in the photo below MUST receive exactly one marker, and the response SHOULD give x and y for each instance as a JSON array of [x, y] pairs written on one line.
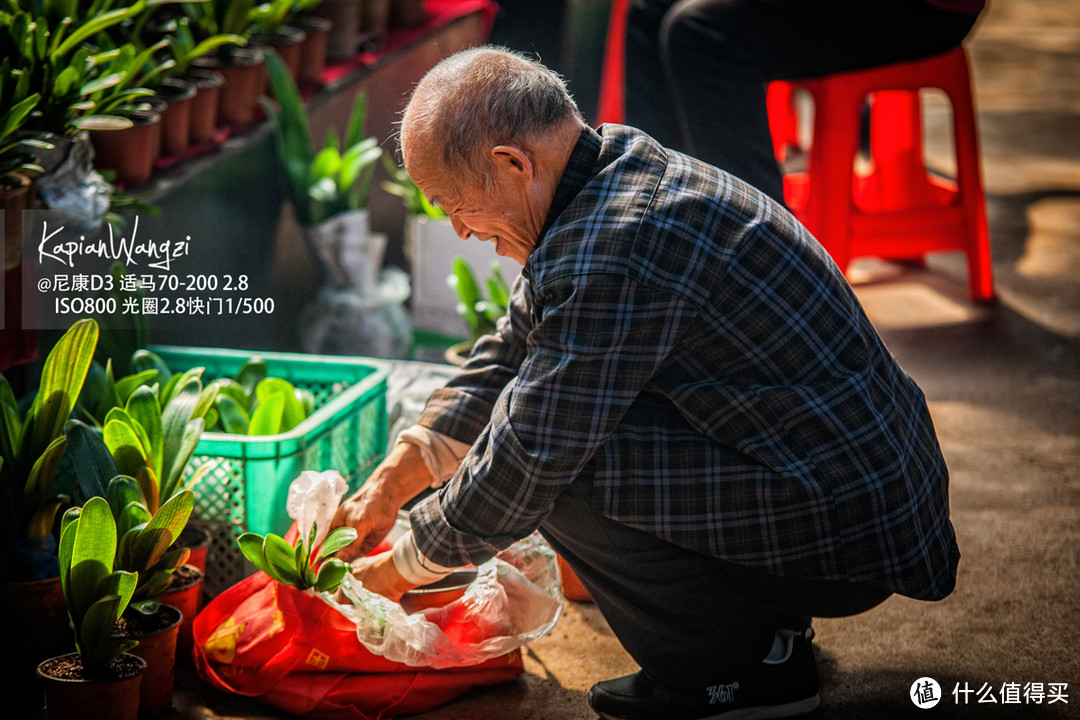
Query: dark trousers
[[683, 616], [696, 70]]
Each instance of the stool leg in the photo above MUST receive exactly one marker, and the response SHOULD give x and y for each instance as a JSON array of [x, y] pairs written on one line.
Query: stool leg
[[972, 196], [827, 213]]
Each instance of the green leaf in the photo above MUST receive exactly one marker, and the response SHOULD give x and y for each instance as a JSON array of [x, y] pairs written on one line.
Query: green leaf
[[188, 442], [39, 484], [330, 574], [281, 557], [92, 552], [292, 409], [249, 376], [61, 382], [142, 406], [122, 439], [234, 419], [94, 465], [143, 359], [122, 491], [251, 546], [163, 529], [340, 538], [127, 385], [266, 420]]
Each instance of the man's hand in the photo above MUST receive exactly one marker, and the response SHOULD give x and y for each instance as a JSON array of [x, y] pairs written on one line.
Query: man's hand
[[379, 575], [372, 510]]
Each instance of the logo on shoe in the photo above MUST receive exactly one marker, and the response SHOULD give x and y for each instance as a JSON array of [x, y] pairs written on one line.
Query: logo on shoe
[[719, 694]]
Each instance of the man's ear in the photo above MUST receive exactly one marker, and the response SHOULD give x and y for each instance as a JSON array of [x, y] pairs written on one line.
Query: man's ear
[[514, 159]]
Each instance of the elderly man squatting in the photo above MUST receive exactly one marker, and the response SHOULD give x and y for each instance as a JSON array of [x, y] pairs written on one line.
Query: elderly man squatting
[[685, 398]]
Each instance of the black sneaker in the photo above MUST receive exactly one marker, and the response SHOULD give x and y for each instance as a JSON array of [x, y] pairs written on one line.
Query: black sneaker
[[781, 689]]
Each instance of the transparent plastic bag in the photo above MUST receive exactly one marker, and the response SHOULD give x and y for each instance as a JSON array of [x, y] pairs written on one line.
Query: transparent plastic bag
[[515, 599]]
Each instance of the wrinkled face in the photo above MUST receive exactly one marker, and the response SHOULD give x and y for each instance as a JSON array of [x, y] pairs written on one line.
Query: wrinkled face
[[509, 216]]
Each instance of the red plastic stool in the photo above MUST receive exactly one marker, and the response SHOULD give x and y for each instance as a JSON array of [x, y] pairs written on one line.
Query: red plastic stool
[[611, 106], [899, 210]]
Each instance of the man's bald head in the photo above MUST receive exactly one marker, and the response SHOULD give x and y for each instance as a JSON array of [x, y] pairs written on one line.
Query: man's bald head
[[481, 98]]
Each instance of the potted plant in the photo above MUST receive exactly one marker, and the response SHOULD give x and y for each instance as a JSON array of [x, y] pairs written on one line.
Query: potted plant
[[17, 160], [241, 65], [101, 674], [31, 447], [152, 423], [329, 188], [271, 23], [299, 567], [208, 83], [147, 532], [50, 52], [315, 48], [131, 150], [344, 17], [479, 313]]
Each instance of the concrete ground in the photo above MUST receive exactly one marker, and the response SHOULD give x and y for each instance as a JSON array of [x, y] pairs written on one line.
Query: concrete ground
[[1003, 384]]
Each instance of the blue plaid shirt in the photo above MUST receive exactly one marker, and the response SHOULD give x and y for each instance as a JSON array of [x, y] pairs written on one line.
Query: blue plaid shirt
[[681, 340]]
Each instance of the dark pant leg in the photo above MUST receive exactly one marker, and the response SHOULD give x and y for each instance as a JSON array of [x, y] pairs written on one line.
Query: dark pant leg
[[715, 58], [683, 616]]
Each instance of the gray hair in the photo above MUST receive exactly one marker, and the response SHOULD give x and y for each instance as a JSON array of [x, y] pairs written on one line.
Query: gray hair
[[478, 98]]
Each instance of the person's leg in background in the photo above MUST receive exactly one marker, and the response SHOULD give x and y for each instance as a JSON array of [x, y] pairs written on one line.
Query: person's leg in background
[[697, 70], [688, 619]]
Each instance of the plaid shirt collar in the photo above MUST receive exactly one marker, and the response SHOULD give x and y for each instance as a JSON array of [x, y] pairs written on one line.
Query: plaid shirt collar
[[580, 168]]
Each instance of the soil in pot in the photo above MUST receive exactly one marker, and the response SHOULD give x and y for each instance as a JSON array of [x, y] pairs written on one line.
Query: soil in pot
[[14, 199], [70, 696], [204, 106], [176, 122], [156, 634], [185, 593], [130, 152]]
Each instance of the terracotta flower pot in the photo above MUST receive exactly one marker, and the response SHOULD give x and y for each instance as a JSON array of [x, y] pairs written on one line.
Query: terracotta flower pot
[[157, 646], [197, 539], [204, 106], [185, 593], [344, 16], [176, 122], [374, 18], [245, 77], [287, 43], [34, 625], [131, 152], [14, 199], [74, 698], [313, 49]]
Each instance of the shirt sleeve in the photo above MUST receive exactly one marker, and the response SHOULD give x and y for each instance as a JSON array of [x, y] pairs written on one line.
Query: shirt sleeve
[[600, 338]]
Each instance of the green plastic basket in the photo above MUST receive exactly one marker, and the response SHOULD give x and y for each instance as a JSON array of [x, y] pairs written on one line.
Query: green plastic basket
[[247, 489]]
